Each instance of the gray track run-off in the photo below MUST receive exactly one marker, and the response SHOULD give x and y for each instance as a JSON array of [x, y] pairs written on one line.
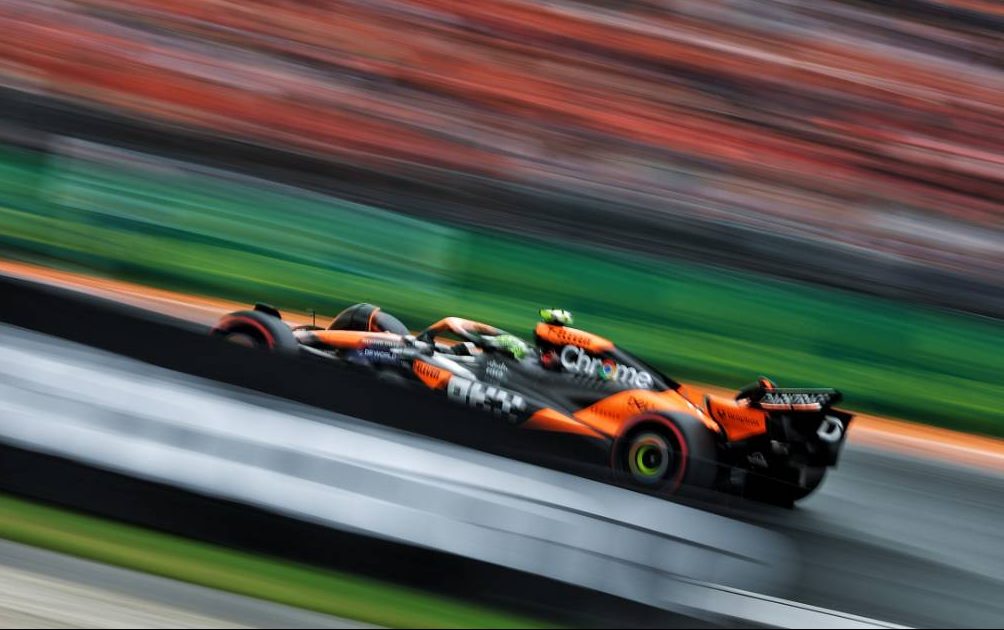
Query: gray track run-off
[[132, 417]]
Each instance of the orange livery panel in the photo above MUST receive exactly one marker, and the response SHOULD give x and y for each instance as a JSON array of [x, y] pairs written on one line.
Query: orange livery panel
[[550, 420], [565, 336], [740, 421], [350, 339], [432, 376], [610, 414]]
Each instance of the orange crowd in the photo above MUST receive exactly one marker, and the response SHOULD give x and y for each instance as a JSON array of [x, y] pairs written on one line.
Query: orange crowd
[[878, 125]]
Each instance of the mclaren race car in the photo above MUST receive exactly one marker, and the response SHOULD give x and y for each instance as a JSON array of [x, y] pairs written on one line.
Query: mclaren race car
[[659, 435]]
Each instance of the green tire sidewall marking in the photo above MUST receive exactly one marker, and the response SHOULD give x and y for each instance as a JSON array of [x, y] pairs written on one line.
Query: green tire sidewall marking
[[639, 459], [644, 447]]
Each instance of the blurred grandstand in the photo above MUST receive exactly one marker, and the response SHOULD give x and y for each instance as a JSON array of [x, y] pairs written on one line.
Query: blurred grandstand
[[864, 135], [663, 168]]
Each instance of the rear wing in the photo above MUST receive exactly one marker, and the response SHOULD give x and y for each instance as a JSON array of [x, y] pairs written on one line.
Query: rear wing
[[791, 399]]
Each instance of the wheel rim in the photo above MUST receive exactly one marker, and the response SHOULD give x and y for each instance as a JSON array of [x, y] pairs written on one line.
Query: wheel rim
[[242, 339], [649, 458]]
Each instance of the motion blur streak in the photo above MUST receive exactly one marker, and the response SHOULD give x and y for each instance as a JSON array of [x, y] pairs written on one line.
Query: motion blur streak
[[40, 589], [811, 190], [148, 423], [876, 126]]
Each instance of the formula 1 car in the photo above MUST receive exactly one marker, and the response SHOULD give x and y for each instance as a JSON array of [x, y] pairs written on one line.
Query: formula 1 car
[[769, 443]]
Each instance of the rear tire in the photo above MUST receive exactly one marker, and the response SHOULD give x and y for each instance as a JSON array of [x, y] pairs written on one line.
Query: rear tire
[[666, 455], [255, 329], [781, 492]]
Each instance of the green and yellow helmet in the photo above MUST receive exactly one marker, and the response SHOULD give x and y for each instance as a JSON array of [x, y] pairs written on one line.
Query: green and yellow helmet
[[557, 316]]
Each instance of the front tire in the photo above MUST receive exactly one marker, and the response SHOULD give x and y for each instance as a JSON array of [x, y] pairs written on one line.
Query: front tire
[[255, 329]]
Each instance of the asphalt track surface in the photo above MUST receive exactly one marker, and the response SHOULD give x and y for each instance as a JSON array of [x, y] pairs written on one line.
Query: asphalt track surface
[[898, 538], [42, 589], [902, 539]]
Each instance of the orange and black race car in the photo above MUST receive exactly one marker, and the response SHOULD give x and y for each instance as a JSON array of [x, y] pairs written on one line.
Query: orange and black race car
[[770, 443]]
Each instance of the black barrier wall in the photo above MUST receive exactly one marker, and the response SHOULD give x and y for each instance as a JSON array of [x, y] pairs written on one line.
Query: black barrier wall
[[186, 347]]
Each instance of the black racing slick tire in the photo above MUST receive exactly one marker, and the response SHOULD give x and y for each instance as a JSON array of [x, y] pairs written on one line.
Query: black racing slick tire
[[256, 329], [666, 455], [784, 492]]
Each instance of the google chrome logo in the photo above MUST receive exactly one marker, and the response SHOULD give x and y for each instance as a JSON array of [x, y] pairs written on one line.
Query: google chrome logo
[[607, 370]]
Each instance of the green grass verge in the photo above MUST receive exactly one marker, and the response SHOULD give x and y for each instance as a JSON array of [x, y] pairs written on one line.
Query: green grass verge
[[157, 224], [329, 592]]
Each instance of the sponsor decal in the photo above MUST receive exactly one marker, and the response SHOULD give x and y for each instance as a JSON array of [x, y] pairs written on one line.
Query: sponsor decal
[[813, 400], [739, 422], [607, 409], [374, 356], [424, 369], [432, 376], [578, 361], [607, 370], [640, 404], [501, 402], [560, 334], [739, 416], [496, 372], [612, 407], [831, 430]]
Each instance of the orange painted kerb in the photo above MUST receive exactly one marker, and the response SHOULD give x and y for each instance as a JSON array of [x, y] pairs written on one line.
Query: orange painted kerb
[[926, 441], [192, 307], [885, 433]]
